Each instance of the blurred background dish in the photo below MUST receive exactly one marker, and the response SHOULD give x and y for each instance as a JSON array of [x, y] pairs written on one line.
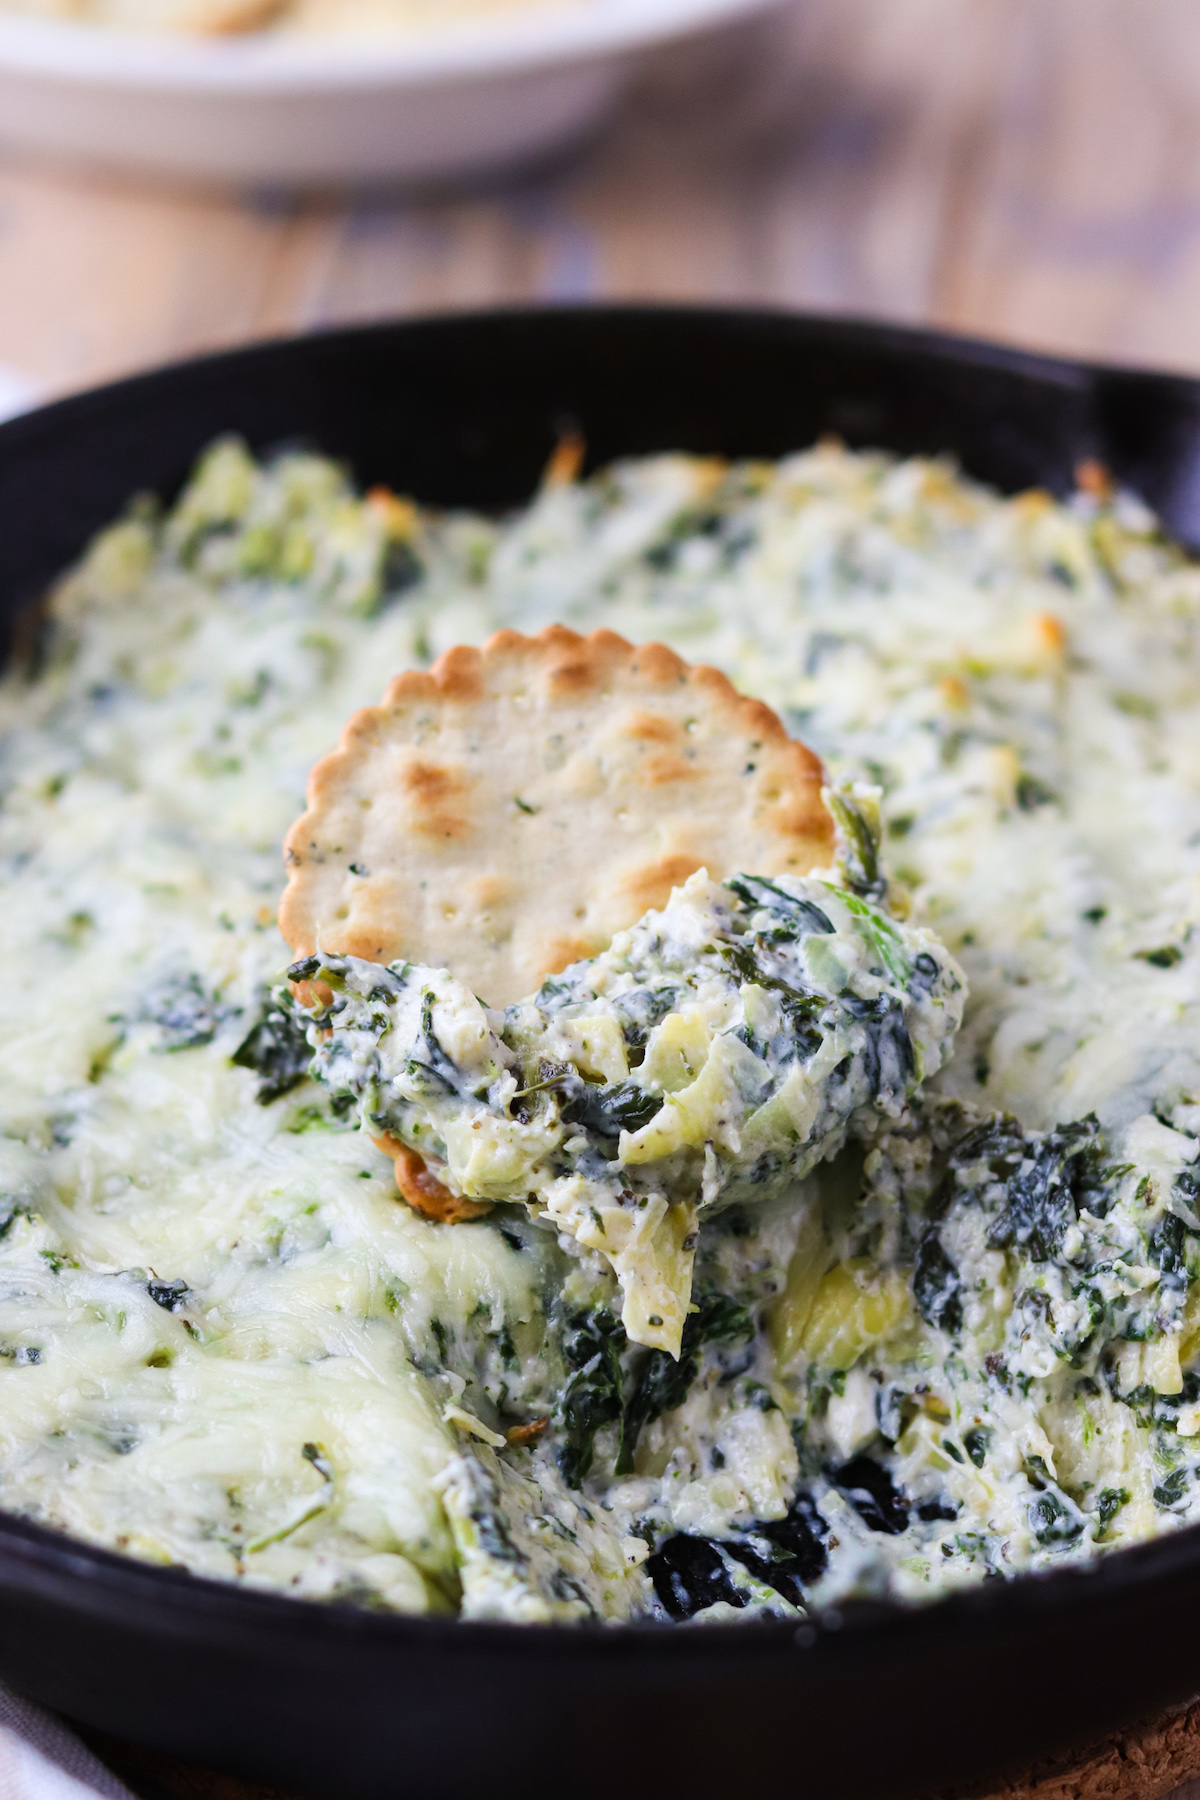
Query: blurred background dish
[[216, 18], [493, 84]]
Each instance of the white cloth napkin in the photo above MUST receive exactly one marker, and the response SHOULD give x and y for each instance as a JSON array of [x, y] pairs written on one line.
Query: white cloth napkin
[[42, 1759]]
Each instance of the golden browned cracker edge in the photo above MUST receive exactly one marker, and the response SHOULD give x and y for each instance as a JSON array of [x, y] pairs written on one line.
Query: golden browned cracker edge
[[423, 1191]]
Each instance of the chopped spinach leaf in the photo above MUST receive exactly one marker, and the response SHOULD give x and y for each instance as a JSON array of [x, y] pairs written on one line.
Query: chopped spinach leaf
[[787, 1555], [276, 1048], [184, 1012], [870, 1490], [936, 1285], [1032, 793], [170, 1295], [11, 1209], [1171, 1490], [591, 1396], [662, 1383], [612, 1109], [690, 1573], [1164, 958], [801, 1537], [976, 1443], [1166, 1250], [1044, 1199], [1109, 1503], [756, 891], [858, 846], [1053, 1519]]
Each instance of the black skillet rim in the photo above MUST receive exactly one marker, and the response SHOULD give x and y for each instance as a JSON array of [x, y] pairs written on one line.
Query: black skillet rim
[[51, 1566]]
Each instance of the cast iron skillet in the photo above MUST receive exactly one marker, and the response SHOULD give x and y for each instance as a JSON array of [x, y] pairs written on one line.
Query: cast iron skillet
[[360, 1706]]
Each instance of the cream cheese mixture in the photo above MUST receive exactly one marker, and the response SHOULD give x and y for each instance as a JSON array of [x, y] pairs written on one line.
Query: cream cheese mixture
[[965, 1346], [715, 1053]]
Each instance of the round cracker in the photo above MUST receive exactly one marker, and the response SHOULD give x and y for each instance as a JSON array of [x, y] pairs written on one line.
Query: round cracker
[[511, 809]]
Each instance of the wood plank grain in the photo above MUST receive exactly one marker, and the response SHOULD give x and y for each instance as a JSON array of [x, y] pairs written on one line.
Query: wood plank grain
[[1021, 168], [912, 160]]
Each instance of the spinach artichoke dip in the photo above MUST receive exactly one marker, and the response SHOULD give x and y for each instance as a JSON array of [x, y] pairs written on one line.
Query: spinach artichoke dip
[[752, 1073], [782, 1287]]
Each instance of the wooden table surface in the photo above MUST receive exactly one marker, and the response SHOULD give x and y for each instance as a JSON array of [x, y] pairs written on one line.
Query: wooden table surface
[[1026, 169], [1021, 169]]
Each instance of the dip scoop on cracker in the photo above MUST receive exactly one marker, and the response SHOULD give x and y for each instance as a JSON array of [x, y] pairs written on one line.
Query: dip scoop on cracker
[[713, 1053]]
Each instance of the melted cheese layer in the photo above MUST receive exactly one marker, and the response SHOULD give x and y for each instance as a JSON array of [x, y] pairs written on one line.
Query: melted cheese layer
[[224, 1343]]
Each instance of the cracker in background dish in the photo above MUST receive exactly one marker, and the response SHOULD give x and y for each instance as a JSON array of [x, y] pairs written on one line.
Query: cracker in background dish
[[508, 811]]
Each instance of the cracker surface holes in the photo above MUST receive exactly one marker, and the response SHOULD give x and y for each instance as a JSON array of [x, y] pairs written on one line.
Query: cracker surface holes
[[506, 812]]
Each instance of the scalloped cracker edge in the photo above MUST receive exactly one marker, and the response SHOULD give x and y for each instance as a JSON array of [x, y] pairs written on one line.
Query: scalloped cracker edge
[[508, 811]]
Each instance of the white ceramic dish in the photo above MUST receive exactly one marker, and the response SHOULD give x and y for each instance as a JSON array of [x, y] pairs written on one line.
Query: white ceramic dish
[[277, 109]]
